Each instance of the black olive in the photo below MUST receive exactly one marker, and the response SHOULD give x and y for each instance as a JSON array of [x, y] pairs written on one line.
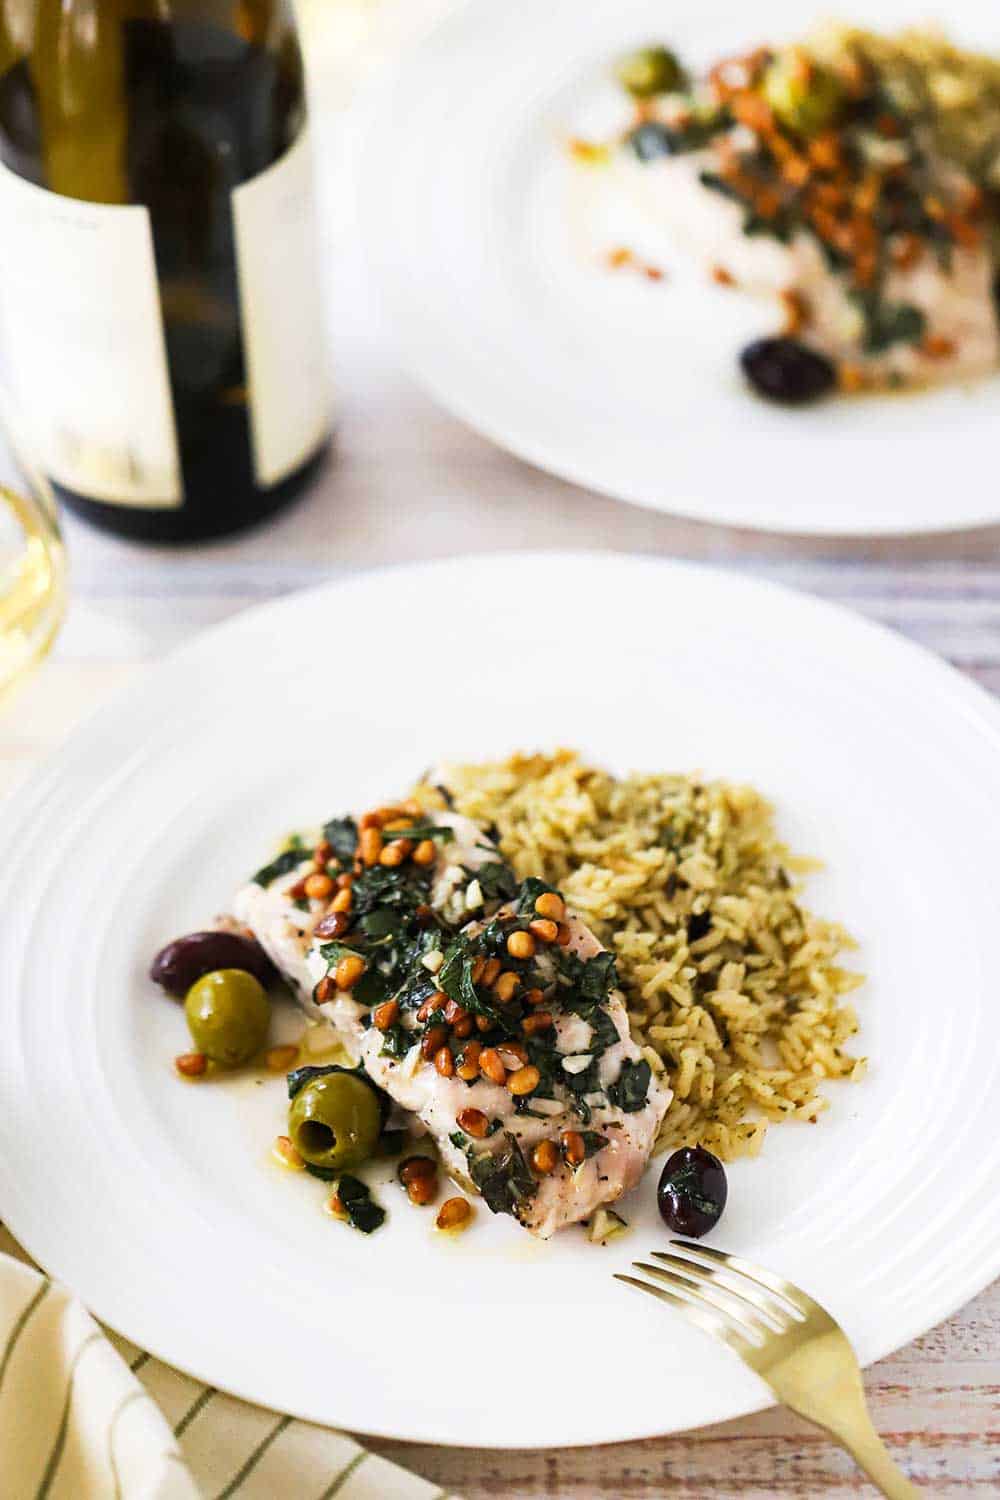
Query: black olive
[[692, 1192], [785, 370], [652, 140], [180, 963]]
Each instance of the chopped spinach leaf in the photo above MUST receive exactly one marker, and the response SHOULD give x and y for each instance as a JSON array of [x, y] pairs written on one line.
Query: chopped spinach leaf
[[496, 880], [503, 1178], [420, 831], [342, 833], [592, 978], [396, 1042], [283, 864], [593, 1142], [363, 1213], [631, 1088], [888, 323]]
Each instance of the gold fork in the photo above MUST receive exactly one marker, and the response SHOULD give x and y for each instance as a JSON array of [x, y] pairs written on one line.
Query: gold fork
[[791, 1342]]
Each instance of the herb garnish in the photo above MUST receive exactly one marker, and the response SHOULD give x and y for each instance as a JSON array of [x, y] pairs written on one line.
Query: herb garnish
[[503, 1178], [282, 864], [631, 1088], [362, 1211]]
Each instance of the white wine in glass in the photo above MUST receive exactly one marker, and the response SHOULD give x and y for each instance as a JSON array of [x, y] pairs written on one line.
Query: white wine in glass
[[32, 582]]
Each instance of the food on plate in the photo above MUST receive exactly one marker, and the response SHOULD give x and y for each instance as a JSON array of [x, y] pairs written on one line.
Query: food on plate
[[476, 1003], [539, 975], [335, 1117], [228, 1015], [176, 967], [853, 179], [692, 1191]]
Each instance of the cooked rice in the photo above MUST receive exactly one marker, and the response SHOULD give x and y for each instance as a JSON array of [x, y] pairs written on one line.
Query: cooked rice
[[747, 1018]]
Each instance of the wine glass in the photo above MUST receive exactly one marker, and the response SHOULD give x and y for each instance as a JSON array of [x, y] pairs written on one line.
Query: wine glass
[[32, 574]]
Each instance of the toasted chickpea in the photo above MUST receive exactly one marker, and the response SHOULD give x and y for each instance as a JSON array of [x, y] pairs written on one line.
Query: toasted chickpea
[[533, 997], [454, 1012], [540, 1020], [343, 901], [318, 887], [473, 1122], [468, 1068], [344, 882], [323, 990], [573, 1148], [463, 1028], [478, 965], [369, 820], [491, 972], [422, 1190], [563, 936], [386, 1014], [483, 1023], [370, 846], [413, 1167], [280, 1059], [348, 971], [550, 905], [434, 1038], [333, 925], [491, 1065], [431, 1004], [524, 1080], [396, 824], [298, 890], [512, 1055], [544, 930], [444, 1062], [521, 945], [545, 1157], [322, 853], [453, 1215], [191, 1064], [284, 1152], [507, 986], [393, 854], [425, 852]]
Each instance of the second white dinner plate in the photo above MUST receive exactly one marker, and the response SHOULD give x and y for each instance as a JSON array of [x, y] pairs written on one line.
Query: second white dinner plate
[[488, 248], [157, 1200]]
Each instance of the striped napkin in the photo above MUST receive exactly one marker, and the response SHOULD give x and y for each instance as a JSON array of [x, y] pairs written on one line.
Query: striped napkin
[[86, 1415]]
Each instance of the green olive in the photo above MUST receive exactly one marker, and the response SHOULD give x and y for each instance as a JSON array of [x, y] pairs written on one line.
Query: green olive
[[651, 70], [805, 97], [335, 1121], [228, 1014]]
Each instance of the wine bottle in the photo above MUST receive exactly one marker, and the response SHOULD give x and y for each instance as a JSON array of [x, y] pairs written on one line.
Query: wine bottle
[[161, 329]]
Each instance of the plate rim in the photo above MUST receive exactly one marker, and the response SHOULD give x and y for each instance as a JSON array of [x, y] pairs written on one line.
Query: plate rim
[[365, 192], [964, 692]]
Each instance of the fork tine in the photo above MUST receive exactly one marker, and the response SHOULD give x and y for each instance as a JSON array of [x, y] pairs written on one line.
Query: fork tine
[[786, 1290], [701, 1317], [773, 1316]]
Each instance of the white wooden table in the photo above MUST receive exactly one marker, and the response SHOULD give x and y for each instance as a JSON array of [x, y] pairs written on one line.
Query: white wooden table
[[407, 481]]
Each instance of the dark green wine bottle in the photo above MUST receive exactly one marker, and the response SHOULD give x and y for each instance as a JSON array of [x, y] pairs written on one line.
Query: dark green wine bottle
[[161, 328]]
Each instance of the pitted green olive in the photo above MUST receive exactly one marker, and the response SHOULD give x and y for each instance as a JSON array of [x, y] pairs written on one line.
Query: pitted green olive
[[651, 70], [335, 1120], [228, 1015], [805, 97]]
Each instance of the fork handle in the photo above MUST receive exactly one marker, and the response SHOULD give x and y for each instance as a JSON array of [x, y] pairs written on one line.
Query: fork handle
[[846, 1419]]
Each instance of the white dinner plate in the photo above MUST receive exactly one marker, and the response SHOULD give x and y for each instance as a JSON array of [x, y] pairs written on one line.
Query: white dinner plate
[[156, 1200], [487, 246]]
